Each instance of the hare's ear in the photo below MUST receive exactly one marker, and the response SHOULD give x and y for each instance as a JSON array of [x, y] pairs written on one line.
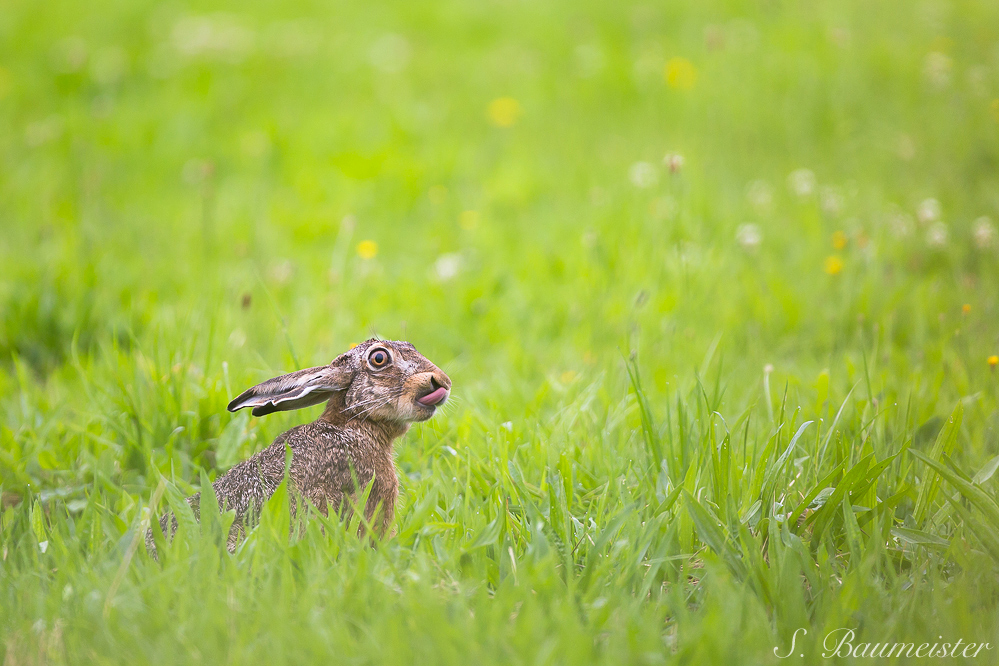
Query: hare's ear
[[294, 390]]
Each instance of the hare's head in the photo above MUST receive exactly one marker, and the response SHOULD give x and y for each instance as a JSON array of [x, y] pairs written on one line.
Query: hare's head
[[378, 380]]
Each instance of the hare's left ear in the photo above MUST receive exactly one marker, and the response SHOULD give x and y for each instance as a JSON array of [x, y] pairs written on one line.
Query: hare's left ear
[[295, 390]]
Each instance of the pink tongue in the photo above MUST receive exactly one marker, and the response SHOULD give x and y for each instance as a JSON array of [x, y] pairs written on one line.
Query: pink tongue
[[433, 398]]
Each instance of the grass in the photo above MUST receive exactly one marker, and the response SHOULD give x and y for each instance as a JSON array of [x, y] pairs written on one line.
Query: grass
[[699, 404]]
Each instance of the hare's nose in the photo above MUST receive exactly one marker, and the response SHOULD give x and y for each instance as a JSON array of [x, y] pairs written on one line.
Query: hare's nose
[[440, 380], [440, 384]]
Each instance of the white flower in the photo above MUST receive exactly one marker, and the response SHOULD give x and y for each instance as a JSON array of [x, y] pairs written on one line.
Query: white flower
[[749, 236], [673, 161], [906, 147], [237, 338], [936, 235], [801, 182], [254, 143], [743, 35], [390, 54], [648, 66], [217, 36], [760, 195], [978, 80], [599, 197], [840, 36], [690, 254], [69, 55], [643, 174], [984, 233], [928, 211], [109, 66], [292, 39], [197, 171], [447, 266], [43, 131], [832, 201], [900, 222], [937, 69], [282, 271]]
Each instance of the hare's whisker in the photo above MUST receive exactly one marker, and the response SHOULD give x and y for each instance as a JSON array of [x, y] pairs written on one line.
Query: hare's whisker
[[371, 409]]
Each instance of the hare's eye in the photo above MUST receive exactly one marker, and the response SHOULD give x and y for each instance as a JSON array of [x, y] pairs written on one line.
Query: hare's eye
[[379, 358]]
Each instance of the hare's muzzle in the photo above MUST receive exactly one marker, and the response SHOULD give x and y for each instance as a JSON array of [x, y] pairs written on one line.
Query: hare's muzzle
[[440, 386], [434, 398]]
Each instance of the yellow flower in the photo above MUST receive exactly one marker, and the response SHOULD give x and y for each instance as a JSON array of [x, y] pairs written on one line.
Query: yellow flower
[[367, 249], [504, 111], [993, 361], [833, 264], [839, 240], [966, 308], [680, 73], [468, 219]]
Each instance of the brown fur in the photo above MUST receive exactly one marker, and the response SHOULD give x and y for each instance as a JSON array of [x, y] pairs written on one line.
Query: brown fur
[[367, 409]]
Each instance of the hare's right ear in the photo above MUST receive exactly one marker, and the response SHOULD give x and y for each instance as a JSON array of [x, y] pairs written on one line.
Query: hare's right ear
[[294, 390]]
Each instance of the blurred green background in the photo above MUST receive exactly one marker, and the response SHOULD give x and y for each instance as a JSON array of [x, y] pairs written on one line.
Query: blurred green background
[[781, 211]]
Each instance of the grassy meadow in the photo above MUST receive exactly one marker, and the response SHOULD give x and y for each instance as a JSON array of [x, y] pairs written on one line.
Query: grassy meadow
[[717, 284]]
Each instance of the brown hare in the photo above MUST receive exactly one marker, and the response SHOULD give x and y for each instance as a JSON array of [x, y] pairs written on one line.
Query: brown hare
[[373, 393]]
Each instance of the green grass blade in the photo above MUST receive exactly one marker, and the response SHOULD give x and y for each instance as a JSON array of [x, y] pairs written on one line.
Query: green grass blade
[[978, 497], [944, 445]]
